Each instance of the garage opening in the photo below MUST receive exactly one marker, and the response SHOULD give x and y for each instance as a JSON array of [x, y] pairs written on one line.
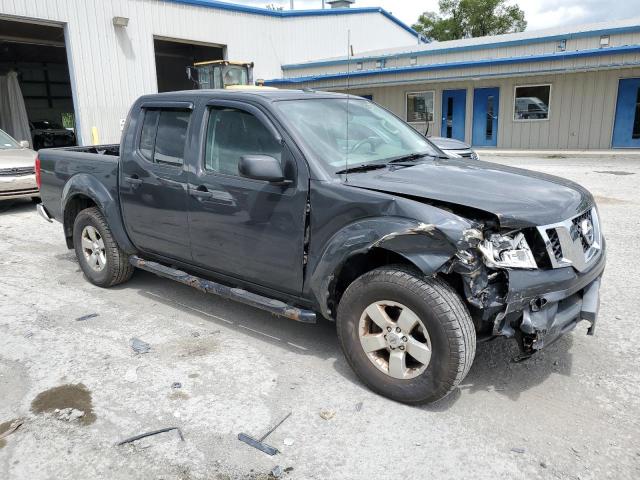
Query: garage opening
[[173, 58], [33, 57]]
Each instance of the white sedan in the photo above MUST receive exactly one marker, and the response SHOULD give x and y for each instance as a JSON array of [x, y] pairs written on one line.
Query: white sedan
[[17, 169]]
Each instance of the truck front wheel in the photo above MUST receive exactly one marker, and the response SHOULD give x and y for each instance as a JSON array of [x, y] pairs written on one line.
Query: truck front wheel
[[408, 337], [99, 256]]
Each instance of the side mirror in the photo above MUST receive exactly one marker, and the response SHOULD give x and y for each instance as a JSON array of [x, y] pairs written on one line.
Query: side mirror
[[24, 143], [262, 167]]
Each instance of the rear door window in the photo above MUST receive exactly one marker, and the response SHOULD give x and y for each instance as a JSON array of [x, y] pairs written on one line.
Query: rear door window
[[164, 136]]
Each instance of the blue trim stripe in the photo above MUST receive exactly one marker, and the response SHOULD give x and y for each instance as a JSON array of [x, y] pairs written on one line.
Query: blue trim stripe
[[234, 7], [465, 48], [453, 65]]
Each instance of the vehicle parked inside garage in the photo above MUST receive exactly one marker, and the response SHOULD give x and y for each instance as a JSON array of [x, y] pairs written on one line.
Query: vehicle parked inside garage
[[47, 134], [309, 203], [17, 169]]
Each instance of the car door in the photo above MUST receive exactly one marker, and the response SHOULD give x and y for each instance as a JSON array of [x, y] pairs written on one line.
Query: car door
[[153, 181], [240, 227]]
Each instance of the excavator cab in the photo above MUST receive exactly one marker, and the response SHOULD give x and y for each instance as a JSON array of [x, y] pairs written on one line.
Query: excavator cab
[[221, 74]]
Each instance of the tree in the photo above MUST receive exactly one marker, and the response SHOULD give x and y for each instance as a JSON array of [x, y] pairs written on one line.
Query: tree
[[471, 18]]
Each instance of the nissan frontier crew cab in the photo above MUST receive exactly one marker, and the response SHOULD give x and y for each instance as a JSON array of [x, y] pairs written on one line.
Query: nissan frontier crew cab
[[310, 204]]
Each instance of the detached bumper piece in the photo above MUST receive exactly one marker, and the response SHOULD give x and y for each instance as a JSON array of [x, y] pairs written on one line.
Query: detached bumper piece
[[239, 295], [542, 324]]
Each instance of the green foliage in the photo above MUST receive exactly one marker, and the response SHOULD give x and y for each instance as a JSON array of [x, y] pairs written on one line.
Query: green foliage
[[471, 18]]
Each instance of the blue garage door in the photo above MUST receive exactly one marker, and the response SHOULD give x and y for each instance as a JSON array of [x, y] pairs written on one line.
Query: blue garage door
[[453, 113], [626, 130], [485, 117]]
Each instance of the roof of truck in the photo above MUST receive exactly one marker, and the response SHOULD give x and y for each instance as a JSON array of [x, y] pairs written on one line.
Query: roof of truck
[[268, 94]]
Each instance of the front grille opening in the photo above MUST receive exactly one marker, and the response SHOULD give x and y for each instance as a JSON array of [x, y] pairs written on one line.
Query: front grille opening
[[555, 243], [577, 226]]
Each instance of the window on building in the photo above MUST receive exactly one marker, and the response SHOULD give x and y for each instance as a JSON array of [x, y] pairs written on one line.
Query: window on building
[[359, 66], [562, 45], [164, 136], [420, 107], [413, 61], [604, 41], [532, 102], [232, 133], [380, 63]]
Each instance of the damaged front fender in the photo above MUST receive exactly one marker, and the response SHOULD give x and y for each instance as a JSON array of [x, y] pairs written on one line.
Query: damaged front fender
[[424, 245]]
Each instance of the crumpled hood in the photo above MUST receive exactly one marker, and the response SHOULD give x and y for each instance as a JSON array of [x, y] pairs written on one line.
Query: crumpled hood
[[518, 198]]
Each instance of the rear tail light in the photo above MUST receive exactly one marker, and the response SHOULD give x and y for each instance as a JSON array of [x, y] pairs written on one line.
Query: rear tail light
[[38, 179]]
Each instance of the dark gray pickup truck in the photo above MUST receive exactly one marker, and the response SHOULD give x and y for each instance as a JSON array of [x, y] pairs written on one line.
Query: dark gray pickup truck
[[310, 204]]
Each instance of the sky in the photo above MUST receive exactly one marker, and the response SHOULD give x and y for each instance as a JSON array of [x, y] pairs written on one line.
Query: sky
[[539, 13]]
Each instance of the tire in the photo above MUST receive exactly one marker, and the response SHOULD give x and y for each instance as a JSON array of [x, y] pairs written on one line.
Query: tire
[[447, 349], [36, 200], [112, 266]]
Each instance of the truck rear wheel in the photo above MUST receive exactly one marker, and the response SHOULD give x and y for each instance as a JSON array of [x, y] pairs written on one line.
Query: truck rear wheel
[[407, 337], [99, 256]]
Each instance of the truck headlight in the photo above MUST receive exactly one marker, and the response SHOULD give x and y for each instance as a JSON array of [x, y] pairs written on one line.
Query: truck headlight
[[504, 251]]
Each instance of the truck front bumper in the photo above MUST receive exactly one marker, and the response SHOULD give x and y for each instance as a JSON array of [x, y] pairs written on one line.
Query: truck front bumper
[[18, 186], [543, 305]]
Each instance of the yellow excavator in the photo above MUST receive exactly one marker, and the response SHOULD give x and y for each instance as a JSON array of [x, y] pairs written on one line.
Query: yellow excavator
[[224, 74]]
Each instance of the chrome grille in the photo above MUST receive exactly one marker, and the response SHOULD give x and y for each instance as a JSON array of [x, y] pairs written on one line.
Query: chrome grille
[[17, 171], [575, 242], [555, 243]]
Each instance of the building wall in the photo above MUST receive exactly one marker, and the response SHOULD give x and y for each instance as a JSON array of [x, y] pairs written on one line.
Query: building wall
[[110, 66], [439, 53], [582, 108]]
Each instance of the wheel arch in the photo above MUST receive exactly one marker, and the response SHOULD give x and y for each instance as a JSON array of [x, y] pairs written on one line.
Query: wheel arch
[[84, 191], [368, 244]]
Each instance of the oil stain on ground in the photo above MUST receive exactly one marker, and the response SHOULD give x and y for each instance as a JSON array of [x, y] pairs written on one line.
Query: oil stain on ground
[[66, 396]]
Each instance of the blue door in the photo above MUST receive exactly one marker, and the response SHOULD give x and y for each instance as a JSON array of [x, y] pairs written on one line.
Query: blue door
[[485, 117], [626, 130], [453, 112]]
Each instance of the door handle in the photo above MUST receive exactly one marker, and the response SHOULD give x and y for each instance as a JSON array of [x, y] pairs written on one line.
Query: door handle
[[202, 194], [133, 180]]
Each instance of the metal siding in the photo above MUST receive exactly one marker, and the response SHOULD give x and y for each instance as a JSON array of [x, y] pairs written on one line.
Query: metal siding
[[111, 67], [582, 108]]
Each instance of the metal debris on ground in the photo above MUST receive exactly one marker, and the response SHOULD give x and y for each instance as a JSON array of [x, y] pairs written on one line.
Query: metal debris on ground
[[139, 346], [148, 434], [277, 471], [327, 414], [12, 428], [259, 444], [358, 406], [87, 317], [176, 385], [517, 450]]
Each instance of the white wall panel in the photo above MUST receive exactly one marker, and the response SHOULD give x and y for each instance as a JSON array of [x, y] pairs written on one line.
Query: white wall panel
[[111, 67]]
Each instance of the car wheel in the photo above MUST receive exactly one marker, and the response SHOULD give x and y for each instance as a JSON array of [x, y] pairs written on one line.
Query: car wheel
[[408, 337], [100, 258]]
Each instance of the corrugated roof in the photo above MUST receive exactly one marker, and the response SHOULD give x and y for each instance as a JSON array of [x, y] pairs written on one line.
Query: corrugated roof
[[495, 41]]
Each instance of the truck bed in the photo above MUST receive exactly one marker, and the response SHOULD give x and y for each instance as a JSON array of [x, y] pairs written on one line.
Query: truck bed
[[96, 164]]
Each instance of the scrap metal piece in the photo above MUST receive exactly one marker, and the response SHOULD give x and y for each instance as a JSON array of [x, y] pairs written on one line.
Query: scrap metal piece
[[12, 428], [259, 444], [148, 434]]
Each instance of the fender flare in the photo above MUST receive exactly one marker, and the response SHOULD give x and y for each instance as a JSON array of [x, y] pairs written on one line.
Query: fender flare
[[87, 185], [423, 245]]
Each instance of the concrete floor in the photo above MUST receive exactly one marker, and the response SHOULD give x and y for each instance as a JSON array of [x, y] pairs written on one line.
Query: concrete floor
[[572, 412]]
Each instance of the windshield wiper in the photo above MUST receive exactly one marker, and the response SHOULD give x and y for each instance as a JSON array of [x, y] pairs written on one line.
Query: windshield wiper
[[365, 167], [411, 157]]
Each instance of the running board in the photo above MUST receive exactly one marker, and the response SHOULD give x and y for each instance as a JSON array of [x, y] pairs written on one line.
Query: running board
[[242, 296]]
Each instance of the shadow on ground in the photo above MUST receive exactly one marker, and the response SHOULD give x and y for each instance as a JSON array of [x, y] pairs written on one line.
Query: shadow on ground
[[494, 368]]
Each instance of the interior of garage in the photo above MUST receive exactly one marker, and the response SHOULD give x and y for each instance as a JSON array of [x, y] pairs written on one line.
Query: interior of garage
[[35, 55], [173, 58]]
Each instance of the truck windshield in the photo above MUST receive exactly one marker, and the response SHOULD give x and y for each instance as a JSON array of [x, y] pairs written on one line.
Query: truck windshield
[[370, 135], [6, 142]]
